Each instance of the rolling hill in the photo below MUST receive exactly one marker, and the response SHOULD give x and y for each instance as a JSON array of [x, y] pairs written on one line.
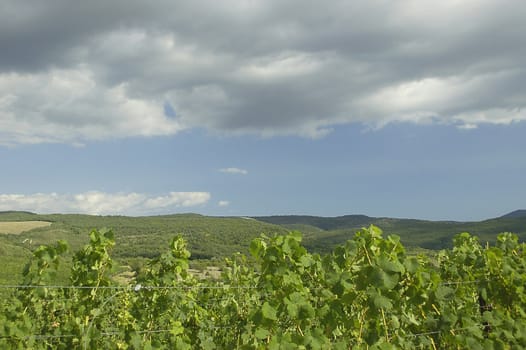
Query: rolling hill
[[515, 214], [137, 238], [213, 238], [322, 233]]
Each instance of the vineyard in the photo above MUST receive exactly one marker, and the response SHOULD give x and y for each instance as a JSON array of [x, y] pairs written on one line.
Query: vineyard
[[366, 294]]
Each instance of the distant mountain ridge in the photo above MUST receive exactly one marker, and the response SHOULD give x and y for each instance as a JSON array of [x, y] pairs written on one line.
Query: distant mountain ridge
[[322, 233], [324, 223], [282, 219], [515, 214]]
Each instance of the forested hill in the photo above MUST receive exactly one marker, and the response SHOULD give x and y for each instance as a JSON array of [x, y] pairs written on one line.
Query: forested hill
[[210, 237], [324, 232], [515, 214], [324, 223], [146, 236]]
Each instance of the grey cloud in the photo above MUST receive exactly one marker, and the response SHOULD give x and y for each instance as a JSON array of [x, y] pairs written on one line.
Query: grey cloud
[[265, 67]]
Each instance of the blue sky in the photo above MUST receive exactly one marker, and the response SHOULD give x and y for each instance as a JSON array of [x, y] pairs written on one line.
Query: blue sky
[[407, 109], [430, 172]]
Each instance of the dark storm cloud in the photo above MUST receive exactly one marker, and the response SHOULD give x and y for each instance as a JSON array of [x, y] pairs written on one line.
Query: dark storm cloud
[[69, 72]]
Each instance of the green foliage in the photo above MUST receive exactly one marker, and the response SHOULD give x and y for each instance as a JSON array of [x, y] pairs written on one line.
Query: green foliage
[[366, 294], [12, 259]]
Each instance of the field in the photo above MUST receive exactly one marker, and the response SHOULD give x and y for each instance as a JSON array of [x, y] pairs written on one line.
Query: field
[[17, 227]]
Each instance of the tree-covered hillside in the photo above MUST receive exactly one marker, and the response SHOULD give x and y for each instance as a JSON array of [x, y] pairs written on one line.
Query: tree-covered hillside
[[214, 238], [322, 233]]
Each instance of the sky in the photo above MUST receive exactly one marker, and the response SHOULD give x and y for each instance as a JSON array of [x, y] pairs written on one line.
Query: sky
[[408, 108]]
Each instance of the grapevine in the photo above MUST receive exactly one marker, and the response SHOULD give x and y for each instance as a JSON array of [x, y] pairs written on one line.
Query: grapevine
[[366, 294]]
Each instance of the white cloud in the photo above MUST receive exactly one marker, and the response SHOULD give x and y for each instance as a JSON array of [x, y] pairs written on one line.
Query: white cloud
[[453, 100], [70, 105], [99, 203], [234, 171], [178, 199], [223, 203]]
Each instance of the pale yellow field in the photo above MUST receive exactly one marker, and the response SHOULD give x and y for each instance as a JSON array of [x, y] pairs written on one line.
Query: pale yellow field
[[17, 227]]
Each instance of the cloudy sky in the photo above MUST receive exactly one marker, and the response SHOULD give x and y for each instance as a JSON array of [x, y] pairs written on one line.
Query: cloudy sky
[[255, 107]]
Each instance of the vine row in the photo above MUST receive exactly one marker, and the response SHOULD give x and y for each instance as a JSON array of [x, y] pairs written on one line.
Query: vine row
[[366, 294]]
